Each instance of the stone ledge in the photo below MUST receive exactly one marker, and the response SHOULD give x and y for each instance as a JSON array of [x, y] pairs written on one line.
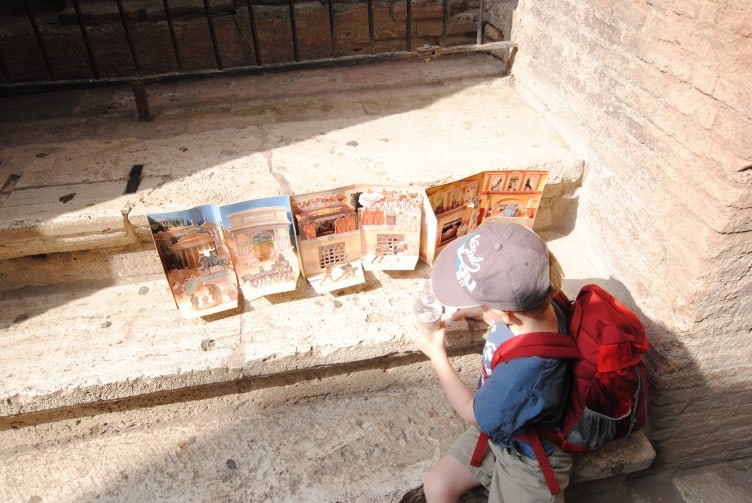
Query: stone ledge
[[620, 457], [67, 346], [71, 190], [97, 332]]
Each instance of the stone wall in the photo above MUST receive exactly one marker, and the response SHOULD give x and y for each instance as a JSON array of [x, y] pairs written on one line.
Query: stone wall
[[656, 96]]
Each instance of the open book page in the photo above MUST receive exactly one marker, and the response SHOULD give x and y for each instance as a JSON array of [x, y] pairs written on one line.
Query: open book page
[[196, 260], [328, 234], [260, 237], [456, 208], [343, 231], [208, 252], [390, 220]]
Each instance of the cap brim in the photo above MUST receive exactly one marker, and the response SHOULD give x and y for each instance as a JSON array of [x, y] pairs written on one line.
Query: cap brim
[[444, 282]]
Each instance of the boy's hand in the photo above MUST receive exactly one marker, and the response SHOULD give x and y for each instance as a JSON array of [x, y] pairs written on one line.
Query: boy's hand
[[431, 344], [475, 313]]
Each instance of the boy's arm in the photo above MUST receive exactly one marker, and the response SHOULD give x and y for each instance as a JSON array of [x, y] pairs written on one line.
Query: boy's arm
[[458, 393]]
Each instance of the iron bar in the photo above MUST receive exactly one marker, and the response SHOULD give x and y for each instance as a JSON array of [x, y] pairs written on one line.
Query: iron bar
[[479, 36], [142, 101], [38, 36], [294, 29], [254, 34], [213, 34], [332, 35], [409, 22], [175, 47], [371, 36], [444, 21], [422, 52], [124, 21], [370, 53], [462, 49], [87, 42], [4, 69]]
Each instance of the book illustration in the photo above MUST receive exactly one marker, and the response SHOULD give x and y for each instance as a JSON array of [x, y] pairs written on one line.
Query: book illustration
[[456, 208], [262, 245], [344, 231], [328, 234], [451, 230], [390, 228], [337, 276], [210, 252]]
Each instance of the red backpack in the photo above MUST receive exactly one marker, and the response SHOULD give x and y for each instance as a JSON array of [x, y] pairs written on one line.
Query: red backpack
[[608, 393]]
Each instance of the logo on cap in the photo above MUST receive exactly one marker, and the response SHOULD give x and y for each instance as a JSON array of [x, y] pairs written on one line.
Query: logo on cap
[[468, 263]]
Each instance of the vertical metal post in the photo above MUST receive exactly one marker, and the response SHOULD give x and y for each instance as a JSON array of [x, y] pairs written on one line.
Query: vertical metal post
[[371, 36], [175, 47], [332, 34], [479, 37], [4, 69], [409, 22], [444, 21], [254, 34], [87, 42], [294, 28], [213, 34], [142, 101], [124, 21], [38, 36]]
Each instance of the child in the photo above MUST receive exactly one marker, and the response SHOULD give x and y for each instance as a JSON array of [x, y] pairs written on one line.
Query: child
[[503, 274]]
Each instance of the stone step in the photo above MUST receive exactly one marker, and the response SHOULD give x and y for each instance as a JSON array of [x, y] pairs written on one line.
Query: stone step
[[95, 339], [68, 345]]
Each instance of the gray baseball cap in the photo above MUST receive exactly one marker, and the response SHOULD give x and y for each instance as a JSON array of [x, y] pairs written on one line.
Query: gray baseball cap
[[500, 265]]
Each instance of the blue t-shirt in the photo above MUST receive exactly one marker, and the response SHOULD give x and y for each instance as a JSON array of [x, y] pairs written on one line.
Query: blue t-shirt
[[520, 391]]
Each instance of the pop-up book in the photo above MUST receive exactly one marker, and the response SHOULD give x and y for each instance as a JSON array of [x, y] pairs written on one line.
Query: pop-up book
[[209, 253], [343, 231], [205, 251], [456, 208]]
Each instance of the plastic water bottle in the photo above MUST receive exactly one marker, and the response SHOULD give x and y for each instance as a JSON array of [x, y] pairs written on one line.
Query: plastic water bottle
[[427, 310]]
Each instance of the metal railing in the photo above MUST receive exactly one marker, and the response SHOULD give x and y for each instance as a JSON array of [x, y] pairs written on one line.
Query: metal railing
[[53, 44]]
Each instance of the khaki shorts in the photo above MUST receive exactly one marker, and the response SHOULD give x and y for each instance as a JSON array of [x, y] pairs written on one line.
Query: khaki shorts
[[509, 476]]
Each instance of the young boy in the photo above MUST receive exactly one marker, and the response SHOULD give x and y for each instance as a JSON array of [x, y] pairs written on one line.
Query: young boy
[[503, 274]]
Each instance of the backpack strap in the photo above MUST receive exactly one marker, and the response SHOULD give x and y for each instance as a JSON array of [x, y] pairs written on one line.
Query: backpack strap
[[480, 449], [566, 305], [633, 413], [533, 436], [542, 344]]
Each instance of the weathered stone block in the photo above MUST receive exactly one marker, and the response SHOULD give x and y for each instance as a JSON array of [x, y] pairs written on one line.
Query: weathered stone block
[[664, 203]]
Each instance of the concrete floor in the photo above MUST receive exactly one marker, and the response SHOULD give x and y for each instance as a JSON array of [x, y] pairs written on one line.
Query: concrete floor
[[254, 446]]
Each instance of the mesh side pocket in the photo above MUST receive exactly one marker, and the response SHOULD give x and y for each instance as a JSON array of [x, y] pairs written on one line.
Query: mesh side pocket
[[594, 430]]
